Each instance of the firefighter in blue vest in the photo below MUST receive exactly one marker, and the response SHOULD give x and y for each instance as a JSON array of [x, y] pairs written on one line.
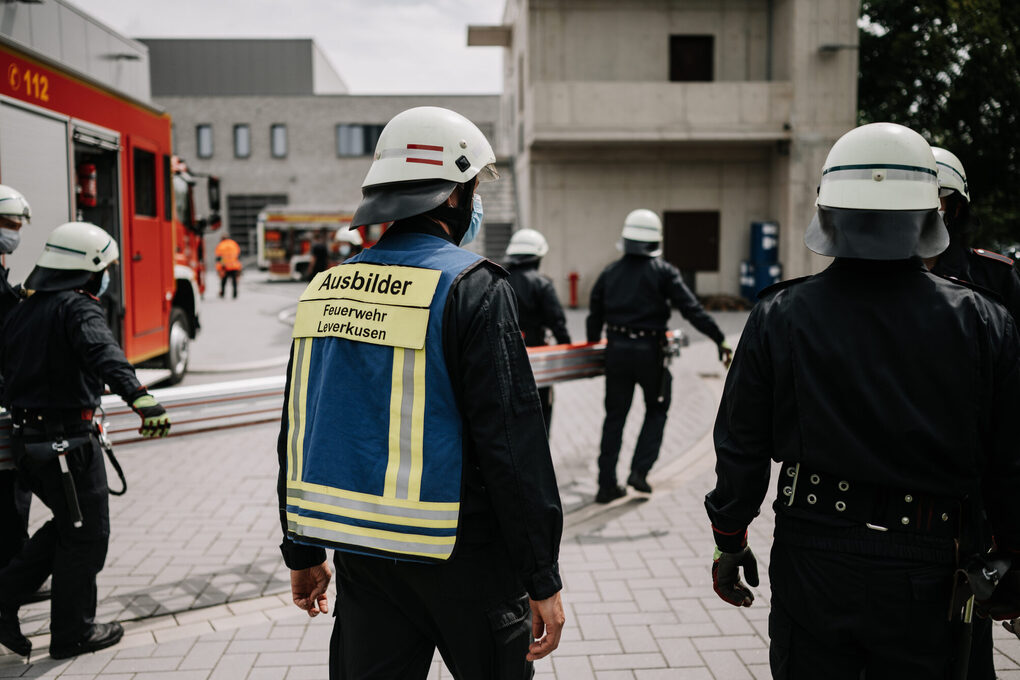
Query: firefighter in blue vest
[[412, 440]]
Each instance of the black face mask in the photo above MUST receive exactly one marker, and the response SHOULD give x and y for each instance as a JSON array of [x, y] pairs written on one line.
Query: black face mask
[[457, 218], [93, 284]]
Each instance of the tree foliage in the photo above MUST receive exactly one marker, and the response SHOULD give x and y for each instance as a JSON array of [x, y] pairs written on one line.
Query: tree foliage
[[950, 69]]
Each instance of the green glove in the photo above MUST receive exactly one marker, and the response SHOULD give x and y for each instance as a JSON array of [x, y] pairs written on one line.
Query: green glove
[[155, 421], [725, 354]]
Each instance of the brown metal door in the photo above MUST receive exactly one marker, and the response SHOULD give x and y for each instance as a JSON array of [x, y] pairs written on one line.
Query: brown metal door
[[691, 242]]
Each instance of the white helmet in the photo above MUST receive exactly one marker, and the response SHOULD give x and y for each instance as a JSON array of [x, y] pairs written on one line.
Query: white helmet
[[352, 236], [952, 176], [422, 154], [73, 252], [13, 205], [527, 242], [642, 233], [878, 198]]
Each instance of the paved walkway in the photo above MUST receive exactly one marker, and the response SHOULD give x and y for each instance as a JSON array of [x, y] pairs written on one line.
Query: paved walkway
[[195, 571]]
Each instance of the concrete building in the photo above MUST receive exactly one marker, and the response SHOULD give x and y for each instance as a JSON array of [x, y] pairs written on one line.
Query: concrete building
[[713, 113], [270, 118]]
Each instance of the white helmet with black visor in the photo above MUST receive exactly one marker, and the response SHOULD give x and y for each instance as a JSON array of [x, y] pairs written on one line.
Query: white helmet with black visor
[[73, 254], [423, 154], [878, 198]]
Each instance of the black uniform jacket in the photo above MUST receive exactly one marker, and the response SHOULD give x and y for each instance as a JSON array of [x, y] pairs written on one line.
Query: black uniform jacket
[[985, 268], [509, 500], [56, 352], [8, 296], [879, 372], [636, 291], [537, 304]]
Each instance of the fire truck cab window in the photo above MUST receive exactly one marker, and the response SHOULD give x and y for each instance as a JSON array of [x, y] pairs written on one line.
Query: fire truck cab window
[[145, 183], [182, 200], [242, 141], [204, 141]]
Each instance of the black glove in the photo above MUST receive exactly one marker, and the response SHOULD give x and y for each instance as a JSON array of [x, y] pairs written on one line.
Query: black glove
[[725, 354], [726, 577]]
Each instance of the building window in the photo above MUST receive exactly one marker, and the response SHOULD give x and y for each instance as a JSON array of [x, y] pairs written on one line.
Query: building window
[[145, 183], [356, 139], [278, 140], [204, 146], [242, 140], [691, 58]]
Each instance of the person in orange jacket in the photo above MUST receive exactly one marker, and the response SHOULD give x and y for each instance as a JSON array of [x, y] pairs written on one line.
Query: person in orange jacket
[[228, 263]]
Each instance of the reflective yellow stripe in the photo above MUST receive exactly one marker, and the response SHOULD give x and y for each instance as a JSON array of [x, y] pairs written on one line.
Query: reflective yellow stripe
[[306, 361], [369, 498], [373, 516], [295, 415], [417, 427], [396, 397], [373, 533]]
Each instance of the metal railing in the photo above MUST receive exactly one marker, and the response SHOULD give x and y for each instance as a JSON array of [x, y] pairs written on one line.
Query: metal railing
[[241, 403]]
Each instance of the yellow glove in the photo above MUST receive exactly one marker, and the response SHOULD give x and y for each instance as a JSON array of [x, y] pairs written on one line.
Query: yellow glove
[[155, 421]]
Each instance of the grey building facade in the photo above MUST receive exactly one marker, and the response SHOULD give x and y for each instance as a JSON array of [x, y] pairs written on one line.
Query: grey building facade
[[713, 113], [271, 143]]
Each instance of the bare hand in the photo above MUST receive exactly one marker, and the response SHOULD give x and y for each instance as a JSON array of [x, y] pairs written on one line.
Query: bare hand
[[308, 588], [547, 618]]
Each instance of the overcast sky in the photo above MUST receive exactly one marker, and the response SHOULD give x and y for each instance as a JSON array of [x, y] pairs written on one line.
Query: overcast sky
[[377, 46]]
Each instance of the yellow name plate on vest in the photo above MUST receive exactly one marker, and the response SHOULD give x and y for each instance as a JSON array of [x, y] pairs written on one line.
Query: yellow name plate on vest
[[374, 303]]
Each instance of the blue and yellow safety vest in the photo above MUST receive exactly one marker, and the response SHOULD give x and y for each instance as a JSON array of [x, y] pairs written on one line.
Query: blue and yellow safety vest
[[374, 441]]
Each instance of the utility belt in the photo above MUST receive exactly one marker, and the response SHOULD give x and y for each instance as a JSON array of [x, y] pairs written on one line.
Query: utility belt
[[879, 508], [44, 435], [635, 333], [51, 423]]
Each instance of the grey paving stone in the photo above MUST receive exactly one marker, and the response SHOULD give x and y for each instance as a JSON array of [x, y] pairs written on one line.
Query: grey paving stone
[[573, 667], [700, 673], [627, 661], [726, 665], [146, 665], [203, 655]]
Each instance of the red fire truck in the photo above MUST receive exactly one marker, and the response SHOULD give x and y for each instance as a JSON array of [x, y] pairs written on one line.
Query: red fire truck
[[79, 150]]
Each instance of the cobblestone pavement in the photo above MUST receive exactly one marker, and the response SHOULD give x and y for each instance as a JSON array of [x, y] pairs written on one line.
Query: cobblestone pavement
[[195, 571]]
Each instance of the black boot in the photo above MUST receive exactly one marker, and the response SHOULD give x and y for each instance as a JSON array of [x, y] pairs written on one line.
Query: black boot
[[639, 483], [10, 633], [608, 494], [101, 636]]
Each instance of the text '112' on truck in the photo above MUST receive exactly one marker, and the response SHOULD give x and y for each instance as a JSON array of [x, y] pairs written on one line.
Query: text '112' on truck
[[79, 150]]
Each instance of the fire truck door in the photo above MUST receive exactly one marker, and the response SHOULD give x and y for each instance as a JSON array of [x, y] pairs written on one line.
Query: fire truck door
[[34, 160], [141, 254]]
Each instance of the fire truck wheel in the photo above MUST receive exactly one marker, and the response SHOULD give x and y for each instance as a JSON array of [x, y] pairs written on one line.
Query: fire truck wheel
[[176, 358]]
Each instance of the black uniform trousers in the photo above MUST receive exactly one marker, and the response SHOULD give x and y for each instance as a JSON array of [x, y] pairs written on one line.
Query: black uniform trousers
[[630, 362], [75, 555], [545, 395], [391, 616], [845, 616], [232, 275], [15, 501]]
